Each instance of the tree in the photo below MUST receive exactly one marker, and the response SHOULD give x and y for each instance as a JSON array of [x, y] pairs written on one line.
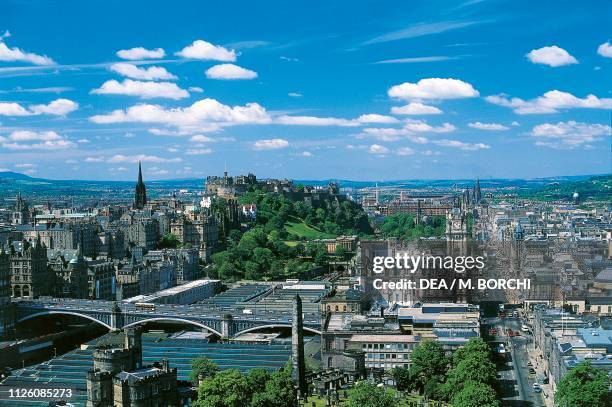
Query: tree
[[403, 379], [475, 394], [202, 368], [228, 388], [428, 359], [279, 391], [366, 394], [584, 386]]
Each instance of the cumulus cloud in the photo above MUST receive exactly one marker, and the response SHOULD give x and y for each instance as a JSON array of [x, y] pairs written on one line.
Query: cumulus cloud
[[488, 126], [203, 115], [433, 88], [393, 134], [376, 118], [270, 144], [230, 72], [198, 151], [148, 74], [569, 135], [404, 151], [421, 126], [15, 54], [58, 107], [378, 149], [551, 102], [200, 49], [35, 140], [137, 53], [461, 145], [144, 90], [119, 158], [315, 121], [605, 50], [552, 56], [415, 109]]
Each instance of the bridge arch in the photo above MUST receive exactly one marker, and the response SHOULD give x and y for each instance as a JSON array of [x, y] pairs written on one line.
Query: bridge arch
[[186, 321], [257, 328], [38, 314]]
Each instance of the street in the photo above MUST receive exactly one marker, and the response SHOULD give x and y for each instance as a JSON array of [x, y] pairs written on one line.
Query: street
[[516, 381]]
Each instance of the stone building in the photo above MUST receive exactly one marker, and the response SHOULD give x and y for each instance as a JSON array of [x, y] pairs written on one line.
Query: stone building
[[29, 275], [70, 271], [119, 379]]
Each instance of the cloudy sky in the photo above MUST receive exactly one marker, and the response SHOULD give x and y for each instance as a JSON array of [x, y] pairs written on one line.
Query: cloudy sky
[[363, 90]]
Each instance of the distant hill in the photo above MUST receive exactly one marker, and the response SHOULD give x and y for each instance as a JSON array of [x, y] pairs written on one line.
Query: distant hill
[[13, 175]]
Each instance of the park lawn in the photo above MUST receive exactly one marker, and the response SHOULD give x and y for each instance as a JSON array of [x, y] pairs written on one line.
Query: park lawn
[[299, 228]]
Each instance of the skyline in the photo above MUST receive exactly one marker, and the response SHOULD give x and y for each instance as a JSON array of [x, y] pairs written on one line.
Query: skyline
[[367, 91]]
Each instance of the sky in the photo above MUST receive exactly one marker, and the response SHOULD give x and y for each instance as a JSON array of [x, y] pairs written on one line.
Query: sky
[[359, 90]]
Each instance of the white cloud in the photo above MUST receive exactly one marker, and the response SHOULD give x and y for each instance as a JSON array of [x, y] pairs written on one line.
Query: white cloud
[[148, 74], [404, 151], [294, 94], [421, 126], [17, 55], [415, 108], [461, 145], [393, 134], [551, 102], [306, 154], [200, 138], [271, 144], [198, 151], [378, 149], [569, 135], [551, 56], [203, 115], [137, 53], [119, 158], [376, 118], [488, 126], [94, 159], [58, 107], [33, 140], [144, 90], [13, 109], [433, 88], [200, 49], [230, 72], [315, 121], [605, 50]]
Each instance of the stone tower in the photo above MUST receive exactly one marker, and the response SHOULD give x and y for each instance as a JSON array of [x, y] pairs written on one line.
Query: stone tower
[[140, 195], [297, 347]]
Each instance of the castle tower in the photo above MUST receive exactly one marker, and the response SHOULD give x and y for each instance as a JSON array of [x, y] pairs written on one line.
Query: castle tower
[[297, 347], [140, 195]]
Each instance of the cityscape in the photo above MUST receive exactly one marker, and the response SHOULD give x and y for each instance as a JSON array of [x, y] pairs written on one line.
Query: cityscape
[[322, 204]]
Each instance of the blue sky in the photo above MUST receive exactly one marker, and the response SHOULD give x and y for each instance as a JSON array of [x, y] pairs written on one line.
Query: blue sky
[[363, 90]]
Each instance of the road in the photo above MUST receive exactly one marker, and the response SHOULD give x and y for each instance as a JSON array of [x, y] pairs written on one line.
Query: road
[[517, 383]]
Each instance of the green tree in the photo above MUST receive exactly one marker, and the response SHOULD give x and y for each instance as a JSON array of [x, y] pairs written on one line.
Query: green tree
[[403, 379], [584, 386], [475, 394], [228, 388], [202, 368], [366, 394], [428, 359]]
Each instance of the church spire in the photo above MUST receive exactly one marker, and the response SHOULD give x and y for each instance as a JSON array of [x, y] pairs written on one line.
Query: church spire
[[140, 195]]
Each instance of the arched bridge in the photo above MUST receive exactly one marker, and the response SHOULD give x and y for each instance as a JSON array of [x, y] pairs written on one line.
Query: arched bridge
[[114, 316]]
